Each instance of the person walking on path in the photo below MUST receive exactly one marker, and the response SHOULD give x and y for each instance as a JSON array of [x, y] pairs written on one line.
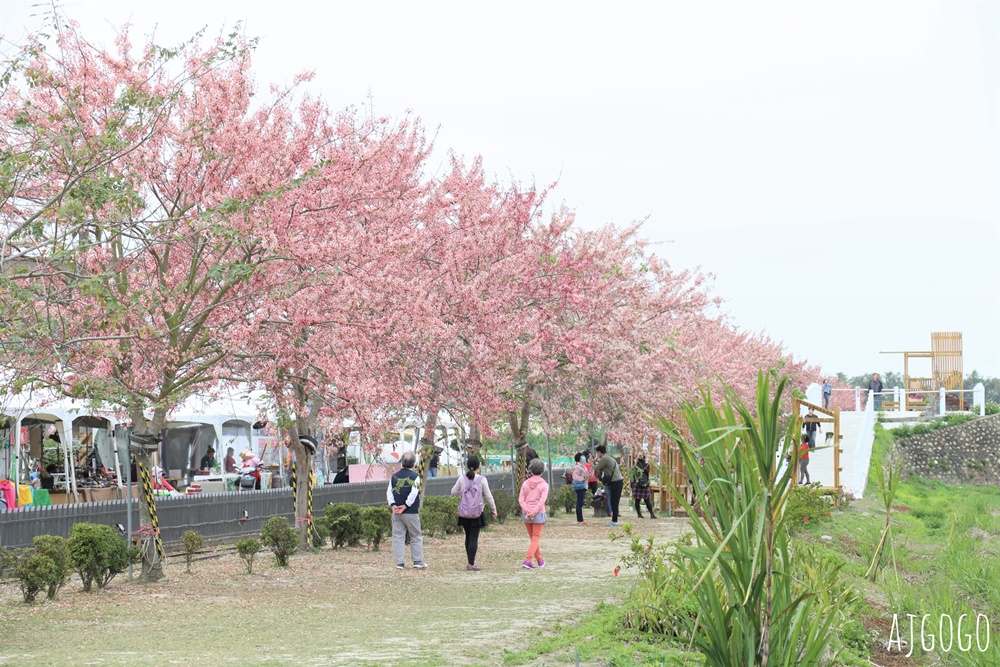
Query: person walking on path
[[640, 486], [804, 461], [875, 385], [609, 471], [827, 392], [581, 475], [811, 425], [472, 488], [403, 495], [532, 497], [432, 467]]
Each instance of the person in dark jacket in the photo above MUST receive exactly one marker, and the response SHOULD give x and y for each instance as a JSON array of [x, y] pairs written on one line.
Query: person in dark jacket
[[640, 487], [610, 472], [403, 495], [208, 460], [876, 386]]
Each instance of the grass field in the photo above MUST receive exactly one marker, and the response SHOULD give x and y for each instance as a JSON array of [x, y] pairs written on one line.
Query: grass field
[[351, 607], [347, 607]]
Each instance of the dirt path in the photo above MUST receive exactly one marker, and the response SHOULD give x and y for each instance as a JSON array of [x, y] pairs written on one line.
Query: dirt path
[[349, 607]]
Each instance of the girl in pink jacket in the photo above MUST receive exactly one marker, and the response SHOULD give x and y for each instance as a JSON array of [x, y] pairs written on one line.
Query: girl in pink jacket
[[534, 493]]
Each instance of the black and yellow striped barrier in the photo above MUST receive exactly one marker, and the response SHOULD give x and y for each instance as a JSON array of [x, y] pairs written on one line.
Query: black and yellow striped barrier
[[154, 523]]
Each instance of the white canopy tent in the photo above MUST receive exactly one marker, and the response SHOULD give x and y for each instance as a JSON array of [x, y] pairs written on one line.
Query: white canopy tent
[[38, 408]]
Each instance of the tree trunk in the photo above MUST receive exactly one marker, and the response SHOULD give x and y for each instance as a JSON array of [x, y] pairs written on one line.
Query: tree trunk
[[519, 433], [152, 566], [427, 447], [303, 467]]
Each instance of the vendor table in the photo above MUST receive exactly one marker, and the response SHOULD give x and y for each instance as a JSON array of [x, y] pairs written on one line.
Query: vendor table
[[98, 494]]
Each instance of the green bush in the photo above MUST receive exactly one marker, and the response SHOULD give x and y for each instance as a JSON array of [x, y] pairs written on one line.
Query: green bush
[[320, 533], [35, 574], [438, 515], [506, 505], [193, 543], [343, 520], [806, 505], [660, 601], [280, 538], [376, 525], [57, 550], [248, 549], [98, 554], [921, 428], [991, 409], [9, 558], [563, 497]]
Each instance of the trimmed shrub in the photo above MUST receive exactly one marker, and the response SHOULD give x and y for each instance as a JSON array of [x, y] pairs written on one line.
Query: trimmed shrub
[[248, 549], [55, 548], [506, 505], [35, 574], [9, 558], [98, 554], [193, 543], [280, 538], [343, 520], [376, 525], [562, 497], [320, 533], [439, 515]]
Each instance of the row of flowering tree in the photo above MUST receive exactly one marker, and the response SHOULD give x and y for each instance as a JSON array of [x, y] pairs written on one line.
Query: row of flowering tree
[[167, 229]]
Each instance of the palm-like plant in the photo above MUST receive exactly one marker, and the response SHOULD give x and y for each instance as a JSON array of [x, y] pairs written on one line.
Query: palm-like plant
[[750, 611]]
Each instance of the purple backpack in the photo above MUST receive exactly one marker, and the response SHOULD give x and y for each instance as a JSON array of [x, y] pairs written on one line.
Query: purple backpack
[[470, 504]]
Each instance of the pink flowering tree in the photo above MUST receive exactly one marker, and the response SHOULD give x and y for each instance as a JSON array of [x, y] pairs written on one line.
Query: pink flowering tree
[[323, 349], [467, 271], [138, 217]]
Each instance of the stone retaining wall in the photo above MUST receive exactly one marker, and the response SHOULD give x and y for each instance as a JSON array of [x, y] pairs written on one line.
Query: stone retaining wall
[[965, 454]]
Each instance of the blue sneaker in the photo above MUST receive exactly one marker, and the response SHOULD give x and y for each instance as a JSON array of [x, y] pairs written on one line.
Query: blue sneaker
[[612, 524]]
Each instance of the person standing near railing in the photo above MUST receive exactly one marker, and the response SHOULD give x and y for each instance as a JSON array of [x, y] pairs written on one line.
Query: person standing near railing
[[875, 386], [811, 425], [827, 391]]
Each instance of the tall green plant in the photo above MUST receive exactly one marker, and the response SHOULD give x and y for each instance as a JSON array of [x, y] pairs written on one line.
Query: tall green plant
[[887, 479], [750, 611]]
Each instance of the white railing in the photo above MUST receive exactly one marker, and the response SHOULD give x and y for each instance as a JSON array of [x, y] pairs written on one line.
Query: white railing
[[905, 401], [863, 450]]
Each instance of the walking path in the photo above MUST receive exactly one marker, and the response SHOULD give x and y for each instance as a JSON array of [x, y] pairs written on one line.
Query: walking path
[[349, 607]]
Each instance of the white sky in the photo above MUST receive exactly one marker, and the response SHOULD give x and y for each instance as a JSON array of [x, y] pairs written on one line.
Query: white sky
[[836, 165]]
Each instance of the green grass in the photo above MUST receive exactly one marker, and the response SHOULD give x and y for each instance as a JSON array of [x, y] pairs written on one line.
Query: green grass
[[601, 637], [944, 559]]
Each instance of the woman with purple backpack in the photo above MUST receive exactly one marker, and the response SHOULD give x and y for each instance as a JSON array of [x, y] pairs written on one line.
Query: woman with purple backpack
[[472, 488]]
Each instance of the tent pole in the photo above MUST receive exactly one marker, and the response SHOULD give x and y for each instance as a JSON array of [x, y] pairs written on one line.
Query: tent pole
[[71, 460], [114, 445]]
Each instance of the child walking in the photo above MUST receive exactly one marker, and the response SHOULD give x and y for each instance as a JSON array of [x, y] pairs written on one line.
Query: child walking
[[532, 497], [472, 488], [804, 461]]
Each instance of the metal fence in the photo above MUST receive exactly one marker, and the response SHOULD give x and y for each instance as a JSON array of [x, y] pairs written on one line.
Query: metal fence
[[214, 515]]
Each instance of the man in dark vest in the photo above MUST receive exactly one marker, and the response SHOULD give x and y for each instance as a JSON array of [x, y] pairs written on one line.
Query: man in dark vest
[[403, 495]]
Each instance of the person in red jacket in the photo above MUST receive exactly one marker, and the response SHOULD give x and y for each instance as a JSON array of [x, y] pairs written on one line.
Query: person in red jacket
[[532, 497], [804, 460]]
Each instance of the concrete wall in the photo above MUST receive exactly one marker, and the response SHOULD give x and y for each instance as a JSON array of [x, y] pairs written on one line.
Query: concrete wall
[[965, 454]]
